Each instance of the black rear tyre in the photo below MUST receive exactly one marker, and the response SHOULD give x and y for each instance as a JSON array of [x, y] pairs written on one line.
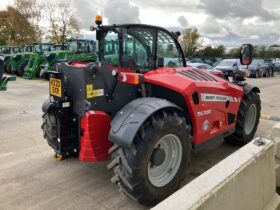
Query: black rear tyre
[[8, 69], [21, 67], [1, 69], [49, 127], [136, 168], [247, 120]]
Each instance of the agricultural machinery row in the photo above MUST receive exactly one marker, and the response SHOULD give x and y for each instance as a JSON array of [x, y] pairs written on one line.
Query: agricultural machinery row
[[142, 108], [39, 59], [4, 79]]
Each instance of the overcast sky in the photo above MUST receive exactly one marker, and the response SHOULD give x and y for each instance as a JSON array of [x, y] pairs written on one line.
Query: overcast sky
[[228, 22]]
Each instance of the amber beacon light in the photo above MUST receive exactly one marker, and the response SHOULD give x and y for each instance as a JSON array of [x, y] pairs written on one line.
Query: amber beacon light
[[98, 19]]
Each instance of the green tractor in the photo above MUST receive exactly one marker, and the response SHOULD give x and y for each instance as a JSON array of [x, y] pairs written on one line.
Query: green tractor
[[32, 69], [83, 50], [3, 78], [20, 60], [111, 51], [78, 50], [8, 54], [59, 53], [5, 53]]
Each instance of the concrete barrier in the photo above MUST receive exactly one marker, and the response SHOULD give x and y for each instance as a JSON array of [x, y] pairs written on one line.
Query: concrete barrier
[[243, 181], [275, 137]]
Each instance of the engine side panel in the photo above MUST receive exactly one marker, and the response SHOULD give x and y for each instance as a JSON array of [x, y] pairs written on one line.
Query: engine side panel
[[218, 100]]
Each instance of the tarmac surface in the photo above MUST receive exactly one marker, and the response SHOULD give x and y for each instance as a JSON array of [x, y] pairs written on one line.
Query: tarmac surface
[[30, 178]]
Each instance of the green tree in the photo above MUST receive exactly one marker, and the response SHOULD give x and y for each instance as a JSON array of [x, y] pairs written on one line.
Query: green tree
[[209, 51], [190, 41], [234, 53], [220, 51]]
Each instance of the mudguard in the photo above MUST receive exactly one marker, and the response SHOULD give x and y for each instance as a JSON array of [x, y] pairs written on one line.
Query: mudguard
[[129, 119], [47, 105], [248, 88]]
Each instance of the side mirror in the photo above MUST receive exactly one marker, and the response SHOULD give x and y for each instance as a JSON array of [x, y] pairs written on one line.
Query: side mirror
[[246, 54], [92, 28]]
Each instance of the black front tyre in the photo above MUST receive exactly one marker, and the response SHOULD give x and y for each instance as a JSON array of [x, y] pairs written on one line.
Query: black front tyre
[[247, 119], [154, 166]]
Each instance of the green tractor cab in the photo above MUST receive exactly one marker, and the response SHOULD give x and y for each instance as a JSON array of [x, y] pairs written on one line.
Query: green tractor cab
[[83, 50], [111, 51], [32, 69], [59, 53], [77, 50], [20, 60]]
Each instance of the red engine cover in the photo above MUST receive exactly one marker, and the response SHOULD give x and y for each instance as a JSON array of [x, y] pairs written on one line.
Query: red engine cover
[[94, 143]]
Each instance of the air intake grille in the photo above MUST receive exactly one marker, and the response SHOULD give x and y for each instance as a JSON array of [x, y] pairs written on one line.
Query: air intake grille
[[197, 75]]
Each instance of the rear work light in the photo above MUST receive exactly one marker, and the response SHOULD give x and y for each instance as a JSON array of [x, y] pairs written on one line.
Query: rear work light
[[131, 78]]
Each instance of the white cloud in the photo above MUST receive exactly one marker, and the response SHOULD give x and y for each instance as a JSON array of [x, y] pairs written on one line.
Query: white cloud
[[121, 11], [212, 28], [5, 3], [183, 21], [229, 22]]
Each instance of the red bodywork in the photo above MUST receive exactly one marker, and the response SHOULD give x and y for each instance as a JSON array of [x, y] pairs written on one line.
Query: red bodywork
[[217, 117], [210, 110]]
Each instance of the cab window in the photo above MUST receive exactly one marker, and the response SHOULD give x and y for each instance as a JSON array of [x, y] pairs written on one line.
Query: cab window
[[168, 54], [111, 55]]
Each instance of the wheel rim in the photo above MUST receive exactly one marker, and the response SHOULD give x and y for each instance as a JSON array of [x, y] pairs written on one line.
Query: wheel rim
[[162, 174], [250, 119]]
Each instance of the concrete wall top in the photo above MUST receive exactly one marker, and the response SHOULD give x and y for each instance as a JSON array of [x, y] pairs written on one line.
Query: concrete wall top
[[224, 177]]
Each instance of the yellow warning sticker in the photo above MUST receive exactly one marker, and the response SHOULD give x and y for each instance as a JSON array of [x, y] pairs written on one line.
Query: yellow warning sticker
[[91, 93]]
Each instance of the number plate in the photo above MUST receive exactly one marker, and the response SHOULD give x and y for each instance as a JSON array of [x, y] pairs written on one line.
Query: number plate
[[55, 87]]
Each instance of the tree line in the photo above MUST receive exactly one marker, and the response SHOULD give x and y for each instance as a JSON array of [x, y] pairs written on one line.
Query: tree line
[[20, 23], [192, 45]]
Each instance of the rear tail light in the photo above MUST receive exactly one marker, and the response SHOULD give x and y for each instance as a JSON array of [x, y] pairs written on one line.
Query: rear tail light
[[131, 78], [220, 74]]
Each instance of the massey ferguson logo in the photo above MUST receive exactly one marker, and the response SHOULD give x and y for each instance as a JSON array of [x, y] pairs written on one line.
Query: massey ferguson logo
[[218, 98]]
